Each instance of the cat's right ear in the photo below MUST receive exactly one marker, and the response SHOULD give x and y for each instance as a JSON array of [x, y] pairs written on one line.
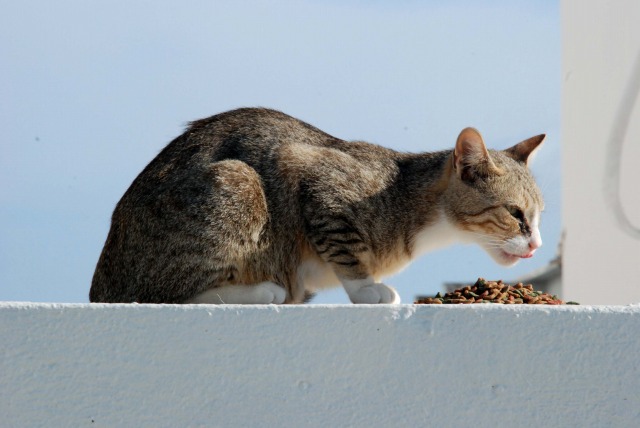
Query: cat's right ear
[[525, 150], [471, 159]]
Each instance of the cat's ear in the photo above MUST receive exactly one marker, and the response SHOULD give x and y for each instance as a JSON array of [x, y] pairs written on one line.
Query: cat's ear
[[471, 159], [523, 151]]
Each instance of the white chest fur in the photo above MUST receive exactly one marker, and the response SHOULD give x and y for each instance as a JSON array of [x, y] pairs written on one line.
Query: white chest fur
[[315, 274], [438, 235]]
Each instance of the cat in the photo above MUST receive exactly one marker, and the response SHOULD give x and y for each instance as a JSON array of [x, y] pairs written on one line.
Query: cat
[[253, 206]]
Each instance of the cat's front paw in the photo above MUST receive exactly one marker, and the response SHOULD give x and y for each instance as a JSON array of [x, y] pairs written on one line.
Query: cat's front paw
[[269, 293], [375, 293]]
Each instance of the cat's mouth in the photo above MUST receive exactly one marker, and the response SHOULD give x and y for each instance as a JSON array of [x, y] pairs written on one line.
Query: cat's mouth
[[515, 257], [506, 258], [518, 256]]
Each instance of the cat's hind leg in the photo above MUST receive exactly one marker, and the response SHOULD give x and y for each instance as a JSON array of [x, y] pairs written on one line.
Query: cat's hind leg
[[260, 294], [235, 216]]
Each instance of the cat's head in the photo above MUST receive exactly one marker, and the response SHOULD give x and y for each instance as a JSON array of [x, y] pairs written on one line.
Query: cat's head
[[493, 198]]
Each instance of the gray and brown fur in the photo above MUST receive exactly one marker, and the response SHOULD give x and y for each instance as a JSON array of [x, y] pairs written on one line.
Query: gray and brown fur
[[248, 195]]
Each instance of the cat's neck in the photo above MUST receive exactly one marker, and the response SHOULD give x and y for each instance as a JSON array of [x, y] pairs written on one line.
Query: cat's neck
[[426, 171], [422, 181], [424, 177]]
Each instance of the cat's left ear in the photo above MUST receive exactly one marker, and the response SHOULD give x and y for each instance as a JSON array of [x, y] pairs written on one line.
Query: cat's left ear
[[524, 150], [471, 159]]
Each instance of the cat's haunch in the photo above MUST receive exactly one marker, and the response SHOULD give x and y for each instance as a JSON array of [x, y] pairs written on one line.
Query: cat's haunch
[[254, 206]]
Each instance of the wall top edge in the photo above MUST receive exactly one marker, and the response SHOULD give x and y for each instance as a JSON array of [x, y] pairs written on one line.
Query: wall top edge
[[404, 308]]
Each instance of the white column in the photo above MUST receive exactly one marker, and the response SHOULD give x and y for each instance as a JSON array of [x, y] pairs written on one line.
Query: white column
[[601, 150]]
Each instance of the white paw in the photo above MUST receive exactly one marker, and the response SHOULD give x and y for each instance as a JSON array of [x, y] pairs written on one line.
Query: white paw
[[375, 293], [264, 293], [268, 292]]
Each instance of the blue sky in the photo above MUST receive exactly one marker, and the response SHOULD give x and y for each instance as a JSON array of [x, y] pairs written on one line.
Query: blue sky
[[91, 91]]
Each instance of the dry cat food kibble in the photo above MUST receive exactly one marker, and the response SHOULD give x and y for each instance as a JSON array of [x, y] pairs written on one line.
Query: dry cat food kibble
[[495, 292]]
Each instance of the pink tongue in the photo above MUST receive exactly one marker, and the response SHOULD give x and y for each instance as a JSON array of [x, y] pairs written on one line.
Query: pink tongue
[[527, 256]]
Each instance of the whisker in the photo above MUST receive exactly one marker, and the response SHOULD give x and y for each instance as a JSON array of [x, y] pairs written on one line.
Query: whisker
[[486, 235]]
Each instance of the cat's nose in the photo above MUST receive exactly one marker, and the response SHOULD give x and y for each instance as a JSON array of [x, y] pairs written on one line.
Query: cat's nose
[[534, 244]]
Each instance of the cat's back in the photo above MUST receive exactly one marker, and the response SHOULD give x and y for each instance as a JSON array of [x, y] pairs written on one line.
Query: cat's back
[[252, 135], [253, 129]]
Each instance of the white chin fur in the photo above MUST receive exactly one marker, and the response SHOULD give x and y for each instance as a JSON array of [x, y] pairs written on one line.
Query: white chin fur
[[511, 251], [501, 257]]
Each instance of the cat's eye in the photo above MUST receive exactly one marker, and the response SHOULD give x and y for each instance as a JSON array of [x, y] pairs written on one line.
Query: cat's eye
[[516, 213]]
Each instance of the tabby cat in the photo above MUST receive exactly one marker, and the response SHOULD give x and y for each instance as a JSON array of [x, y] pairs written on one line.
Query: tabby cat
[[254, 206]]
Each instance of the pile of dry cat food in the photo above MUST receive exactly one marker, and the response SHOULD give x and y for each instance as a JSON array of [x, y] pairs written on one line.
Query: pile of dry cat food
[[495, 292]]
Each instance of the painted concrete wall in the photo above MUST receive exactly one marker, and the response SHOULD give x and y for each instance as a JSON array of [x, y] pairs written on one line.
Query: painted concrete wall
[[374, 366], [601, 150]]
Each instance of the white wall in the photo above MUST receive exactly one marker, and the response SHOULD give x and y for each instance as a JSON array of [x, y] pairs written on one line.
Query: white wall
[[443, 366], [601, 65]]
